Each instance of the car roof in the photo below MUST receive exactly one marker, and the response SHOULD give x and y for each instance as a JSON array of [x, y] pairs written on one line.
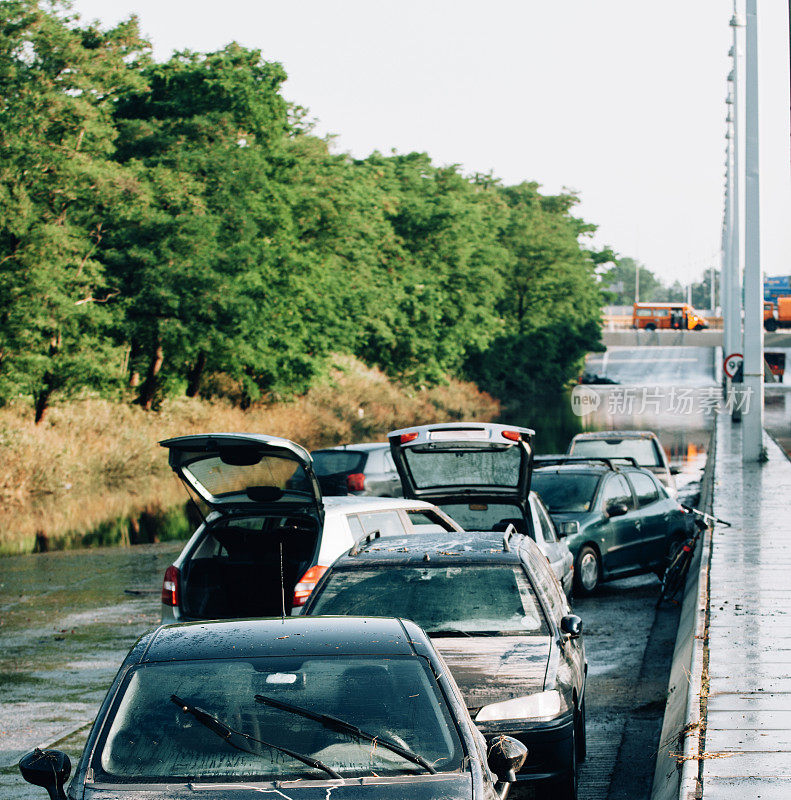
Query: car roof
[[289, 636], [433, 548], [358, 503], [579, 468], [615, 435], [359, 446]]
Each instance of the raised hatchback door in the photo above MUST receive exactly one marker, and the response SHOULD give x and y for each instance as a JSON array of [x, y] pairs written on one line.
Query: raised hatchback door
[[452, 459], [240, 471]]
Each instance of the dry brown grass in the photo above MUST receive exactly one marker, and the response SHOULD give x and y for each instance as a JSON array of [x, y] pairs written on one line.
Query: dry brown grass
[[92, 460]]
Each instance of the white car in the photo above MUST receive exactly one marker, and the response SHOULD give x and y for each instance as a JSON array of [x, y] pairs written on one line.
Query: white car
[[266, 544]]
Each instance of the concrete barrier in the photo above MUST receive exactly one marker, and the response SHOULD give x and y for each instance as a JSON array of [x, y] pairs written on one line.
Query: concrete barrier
[[677, 766]]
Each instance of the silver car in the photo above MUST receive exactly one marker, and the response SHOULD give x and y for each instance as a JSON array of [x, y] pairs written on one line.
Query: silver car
[[364, 469]]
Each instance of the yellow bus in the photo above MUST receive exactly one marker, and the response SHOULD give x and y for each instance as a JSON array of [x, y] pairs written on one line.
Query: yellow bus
[[673, 316]]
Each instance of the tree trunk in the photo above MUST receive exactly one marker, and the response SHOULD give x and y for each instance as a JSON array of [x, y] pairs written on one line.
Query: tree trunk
[[148, 391], [195, 374], [41, 399], [134, 353]]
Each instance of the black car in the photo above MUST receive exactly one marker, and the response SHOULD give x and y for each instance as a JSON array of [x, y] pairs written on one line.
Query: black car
[[298, 708], [363, 469], [497, 614], [626, 523]]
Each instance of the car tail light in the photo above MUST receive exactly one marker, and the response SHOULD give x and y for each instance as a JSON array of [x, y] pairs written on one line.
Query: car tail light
[[355, 482], [307, 583], [170, 586], [514, 436], [408, 437]]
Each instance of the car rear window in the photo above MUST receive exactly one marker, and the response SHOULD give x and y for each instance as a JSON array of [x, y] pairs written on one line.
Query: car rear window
[[330, 462], [152, 737], [467, 600], [570, 492], [486, 516], [641, 450], [463, 465]]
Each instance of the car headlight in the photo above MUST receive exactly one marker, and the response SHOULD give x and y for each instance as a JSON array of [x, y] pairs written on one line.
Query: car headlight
[[541, 705]]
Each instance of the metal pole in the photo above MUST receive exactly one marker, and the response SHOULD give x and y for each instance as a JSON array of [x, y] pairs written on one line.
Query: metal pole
[[752, 442]]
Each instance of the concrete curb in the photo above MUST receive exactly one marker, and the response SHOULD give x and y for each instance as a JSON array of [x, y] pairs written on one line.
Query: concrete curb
[[677, 763]]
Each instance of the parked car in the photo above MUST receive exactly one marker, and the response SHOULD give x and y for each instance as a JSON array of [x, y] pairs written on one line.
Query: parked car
[[366, 469], [479, 474], [266, 543], [498, 616], [626, 521], [642, 446], [299, 708]]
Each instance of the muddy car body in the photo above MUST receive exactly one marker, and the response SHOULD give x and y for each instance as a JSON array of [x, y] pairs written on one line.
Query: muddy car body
[[237, 710], [498, 616]]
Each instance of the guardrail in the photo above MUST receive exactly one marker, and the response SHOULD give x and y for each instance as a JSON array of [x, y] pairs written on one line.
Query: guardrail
[[677, 764]]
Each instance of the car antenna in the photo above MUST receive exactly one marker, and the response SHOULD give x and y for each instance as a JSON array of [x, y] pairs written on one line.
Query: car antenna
[[282, 586]]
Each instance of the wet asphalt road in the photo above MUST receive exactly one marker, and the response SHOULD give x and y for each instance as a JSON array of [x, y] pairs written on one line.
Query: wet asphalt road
[[68, 619]]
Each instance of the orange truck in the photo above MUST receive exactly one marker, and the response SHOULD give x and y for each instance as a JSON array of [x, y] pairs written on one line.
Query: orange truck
[[673, 316], [777, 314]]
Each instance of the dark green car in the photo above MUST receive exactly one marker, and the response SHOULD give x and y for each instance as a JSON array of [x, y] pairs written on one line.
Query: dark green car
[[628, 524]]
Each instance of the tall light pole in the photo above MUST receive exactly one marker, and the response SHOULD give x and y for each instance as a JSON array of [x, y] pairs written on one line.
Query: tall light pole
[[753, 412]]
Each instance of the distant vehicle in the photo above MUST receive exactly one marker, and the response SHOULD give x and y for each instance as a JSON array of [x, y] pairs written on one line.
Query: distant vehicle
[[266, 543], [498, 616], [643, 446], [479, 474], [283, 708], [593, 378], [777, 364], [674, 316], [777, 314], [626, 522], [364, 469]]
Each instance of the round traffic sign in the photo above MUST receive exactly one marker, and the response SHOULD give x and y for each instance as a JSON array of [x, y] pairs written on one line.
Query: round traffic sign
[[732, 363]]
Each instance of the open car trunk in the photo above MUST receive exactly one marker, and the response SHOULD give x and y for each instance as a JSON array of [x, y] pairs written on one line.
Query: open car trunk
[[236, 569]]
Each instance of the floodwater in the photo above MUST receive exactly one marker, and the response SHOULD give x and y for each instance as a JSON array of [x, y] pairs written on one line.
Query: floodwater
[[68, 618]]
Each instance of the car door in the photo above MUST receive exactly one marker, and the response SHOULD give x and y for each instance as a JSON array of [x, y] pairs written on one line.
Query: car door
[[653, 531], [622, 532]]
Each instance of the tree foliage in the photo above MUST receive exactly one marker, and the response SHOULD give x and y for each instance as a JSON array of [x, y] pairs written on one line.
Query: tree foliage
[[177, 228]]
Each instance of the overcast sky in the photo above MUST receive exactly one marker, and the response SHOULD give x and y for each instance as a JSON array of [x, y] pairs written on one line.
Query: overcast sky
[[620, 100]]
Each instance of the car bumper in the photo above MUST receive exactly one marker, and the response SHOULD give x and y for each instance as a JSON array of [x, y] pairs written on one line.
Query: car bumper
[[550, 745]]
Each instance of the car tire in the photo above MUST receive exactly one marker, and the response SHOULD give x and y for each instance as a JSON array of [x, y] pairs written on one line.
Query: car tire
[[566, 788], [650, 327], [587, 571], [580, 735], [770, 325]]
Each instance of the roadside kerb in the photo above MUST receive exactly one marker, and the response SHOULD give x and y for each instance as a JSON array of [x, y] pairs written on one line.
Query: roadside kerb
[[677, 764]]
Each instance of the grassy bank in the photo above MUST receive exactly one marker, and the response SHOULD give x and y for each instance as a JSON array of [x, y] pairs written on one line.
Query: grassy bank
[[93, 464]]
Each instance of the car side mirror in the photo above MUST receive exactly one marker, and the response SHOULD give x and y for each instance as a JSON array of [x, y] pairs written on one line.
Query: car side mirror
[[506, 756], [47, 768], [572, 625], [568, 529], [617, 510], [675, 470]]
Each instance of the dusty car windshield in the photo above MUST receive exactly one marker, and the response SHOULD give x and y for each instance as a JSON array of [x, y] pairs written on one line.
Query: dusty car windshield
[[154, 738], [329, 462], [463, 465], [475, 599], [641, 450], [565, 491]]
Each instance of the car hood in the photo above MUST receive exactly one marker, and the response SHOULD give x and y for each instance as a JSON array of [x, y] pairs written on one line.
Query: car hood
[[489, 669], [450, 786]]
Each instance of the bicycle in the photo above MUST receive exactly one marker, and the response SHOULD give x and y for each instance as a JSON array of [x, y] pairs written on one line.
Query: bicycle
[[675, 574]]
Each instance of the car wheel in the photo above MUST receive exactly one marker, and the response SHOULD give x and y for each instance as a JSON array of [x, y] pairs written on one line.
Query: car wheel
[[770, 325], [566, 789], [587, 571], [580, 736]]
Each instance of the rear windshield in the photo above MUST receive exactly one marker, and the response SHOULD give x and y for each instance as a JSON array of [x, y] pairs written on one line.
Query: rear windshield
[[564, 491], [470, 599], [486, 516], [330, 462], [463, 465], [642, 450], [152, 737]]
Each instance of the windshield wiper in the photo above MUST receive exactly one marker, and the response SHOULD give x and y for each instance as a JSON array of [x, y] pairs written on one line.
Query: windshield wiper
[[225, 732], [336, 724]]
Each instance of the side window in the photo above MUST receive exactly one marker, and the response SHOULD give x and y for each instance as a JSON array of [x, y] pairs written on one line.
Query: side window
[[388, 523], [547, 526], [617, 490], [547, 584], [644, 488], [355, 526], [389, 463], [426, 521]]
